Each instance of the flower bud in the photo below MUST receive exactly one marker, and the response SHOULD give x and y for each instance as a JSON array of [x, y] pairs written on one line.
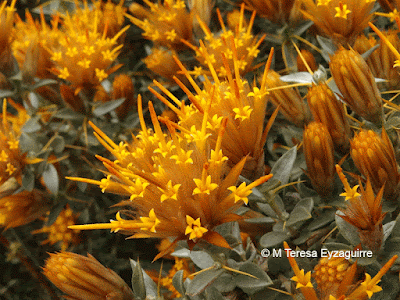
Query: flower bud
[[123, 88], [329, 274], [388, 59], [310, 60], [22, 208], [375, 158], [326, 109], [291, 104], [357, 84], [318, 151], [82, 278]]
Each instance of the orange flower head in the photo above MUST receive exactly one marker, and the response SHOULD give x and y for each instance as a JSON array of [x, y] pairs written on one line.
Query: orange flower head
[[177, 186], [340, 20], [326, 109], [330, 273], [276, 11], [375, 158], [201, 9], [318, 151], [243, 106], [214, 46], [388, 58], [123, 88], [290, 103], [6, 36], [31, 44], [165, 24], [365, 213], [81, 278], [357, 84], [335, 279], [59, 232], [85, 55], [22, 208]]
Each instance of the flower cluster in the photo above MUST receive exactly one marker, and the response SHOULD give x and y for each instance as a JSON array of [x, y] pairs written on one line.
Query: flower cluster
[[177, 186]]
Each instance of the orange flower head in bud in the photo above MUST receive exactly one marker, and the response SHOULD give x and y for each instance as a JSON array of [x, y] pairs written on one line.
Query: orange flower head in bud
[[22, 208], [290, 103], [82, 278], [357, 84], [201, 9], [213, 47], [59, 232], [340, 20], [85, 55], [318, 151], [31, 44], [243, 106], [165, 24], [123, 88], [276, 11], [179, 187], [335, 279], [328, 110], [330, 273], [388, 58], [6, 36], [166, 282], [375, 158], [310, 60]]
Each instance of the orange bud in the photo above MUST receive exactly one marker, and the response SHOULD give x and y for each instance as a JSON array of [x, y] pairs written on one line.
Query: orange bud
[[123, 88], [291, 104], [326, 109], [318, 151], [82, 278], [310, 60], [357, 84], [375, 158]]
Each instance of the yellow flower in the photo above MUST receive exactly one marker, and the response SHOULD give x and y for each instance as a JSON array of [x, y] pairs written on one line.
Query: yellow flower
[[342, 11], [194, 228], [58, 231]]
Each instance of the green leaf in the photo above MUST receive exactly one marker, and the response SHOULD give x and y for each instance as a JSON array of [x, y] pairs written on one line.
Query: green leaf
[[348, 231], [142, 284], [388, 229], [325, 218], [28, 180], [249, 284], [50, 178], [177, 282], [58, 144], [201, 259], [301, 212], [328, 47], [202, 281], [6, 93], [273, 238], [224, 283], [213, 294], [107, 107], [32, 125], [281, 170], [69, 114]]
